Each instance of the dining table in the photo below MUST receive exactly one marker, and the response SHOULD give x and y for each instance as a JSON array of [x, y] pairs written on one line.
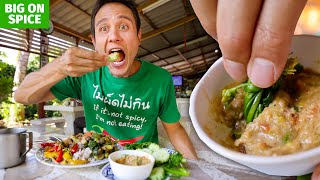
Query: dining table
[[209, 166]]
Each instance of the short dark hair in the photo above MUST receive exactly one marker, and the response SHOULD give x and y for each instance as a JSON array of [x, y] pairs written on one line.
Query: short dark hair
[[128, 3]]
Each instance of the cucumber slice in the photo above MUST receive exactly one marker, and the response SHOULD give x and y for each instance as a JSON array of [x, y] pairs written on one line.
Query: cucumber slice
[[161, 156], [157, 173], [154, 147]]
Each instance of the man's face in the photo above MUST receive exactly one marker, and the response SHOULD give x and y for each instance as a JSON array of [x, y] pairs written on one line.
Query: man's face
[[115, 30]]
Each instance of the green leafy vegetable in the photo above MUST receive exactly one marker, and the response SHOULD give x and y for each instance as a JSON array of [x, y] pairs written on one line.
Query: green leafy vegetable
[[305, 177], [229, 94], [166, 164], [256, 99], [176, 171], [176, 159], [138, 145]]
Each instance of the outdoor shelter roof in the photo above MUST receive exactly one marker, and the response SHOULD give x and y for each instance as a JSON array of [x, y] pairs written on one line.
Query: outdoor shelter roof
[[172, 38]]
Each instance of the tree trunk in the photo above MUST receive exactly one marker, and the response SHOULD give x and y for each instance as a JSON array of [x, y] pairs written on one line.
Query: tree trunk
[[21, 68], [17, 111]]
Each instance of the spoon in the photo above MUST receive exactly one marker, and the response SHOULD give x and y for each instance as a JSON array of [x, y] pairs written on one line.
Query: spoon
[[54, 138]]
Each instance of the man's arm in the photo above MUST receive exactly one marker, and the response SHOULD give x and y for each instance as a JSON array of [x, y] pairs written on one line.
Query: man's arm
[[75, 62], [180, 139], [36, 86]]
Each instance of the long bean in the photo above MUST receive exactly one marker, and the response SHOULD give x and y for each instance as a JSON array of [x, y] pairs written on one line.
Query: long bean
[[248, 100], [254, 106]]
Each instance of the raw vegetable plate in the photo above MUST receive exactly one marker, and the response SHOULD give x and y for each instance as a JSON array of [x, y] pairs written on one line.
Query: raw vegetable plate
[[43, 160], [106, 171]]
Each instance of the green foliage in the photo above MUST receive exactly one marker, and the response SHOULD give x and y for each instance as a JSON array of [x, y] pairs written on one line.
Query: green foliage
[[6, 80], [33, 63], [31, 111], [5, 110], [18, 110], [54, 113]]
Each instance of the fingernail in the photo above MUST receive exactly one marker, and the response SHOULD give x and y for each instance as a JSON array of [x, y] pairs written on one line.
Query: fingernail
[[261, 72], [235, 69]]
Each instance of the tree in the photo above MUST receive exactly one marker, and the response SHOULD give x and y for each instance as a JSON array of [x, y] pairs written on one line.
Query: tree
[[17, 110], [6, 84], [6, 80]]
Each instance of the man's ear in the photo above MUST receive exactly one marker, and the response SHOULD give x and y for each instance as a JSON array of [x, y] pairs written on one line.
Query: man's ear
[[92, 40], [140, 35]]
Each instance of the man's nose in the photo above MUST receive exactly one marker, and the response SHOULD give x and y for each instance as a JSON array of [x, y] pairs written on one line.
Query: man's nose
[[114, 35]]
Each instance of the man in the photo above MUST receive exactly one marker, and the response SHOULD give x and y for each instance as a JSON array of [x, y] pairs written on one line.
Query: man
[[122, 98]]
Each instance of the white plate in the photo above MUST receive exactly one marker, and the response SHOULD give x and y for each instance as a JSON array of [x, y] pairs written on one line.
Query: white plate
[[106, 171], [43, 160]]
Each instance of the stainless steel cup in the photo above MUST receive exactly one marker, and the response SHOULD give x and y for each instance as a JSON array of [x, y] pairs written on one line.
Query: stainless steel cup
[[13, 148]]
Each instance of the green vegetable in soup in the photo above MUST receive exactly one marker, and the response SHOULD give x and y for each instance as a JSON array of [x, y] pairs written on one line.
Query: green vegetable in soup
[[256, 99]]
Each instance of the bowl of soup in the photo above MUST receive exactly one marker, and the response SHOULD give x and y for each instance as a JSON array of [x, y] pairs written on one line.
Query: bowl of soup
[[284, 139], [131, 164]]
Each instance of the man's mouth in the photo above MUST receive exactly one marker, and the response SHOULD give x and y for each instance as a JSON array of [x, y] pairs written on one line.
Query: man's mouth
[[116, 56]]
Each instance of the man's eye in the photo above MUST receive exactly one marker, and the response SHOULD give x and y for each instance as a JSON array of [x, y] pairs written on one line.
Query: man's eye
[[103, 28], [123, 27]]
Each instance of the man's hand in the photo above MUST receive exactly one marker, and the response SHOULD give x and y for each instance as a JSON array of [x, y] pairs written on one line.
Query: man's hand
[[254, 36], [74, 62], [77, 61], [316, 173]]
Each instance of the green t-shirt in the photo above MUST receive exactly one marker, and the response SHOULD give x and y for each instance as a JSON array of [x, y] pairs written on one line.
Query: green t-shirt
[[125, 108]]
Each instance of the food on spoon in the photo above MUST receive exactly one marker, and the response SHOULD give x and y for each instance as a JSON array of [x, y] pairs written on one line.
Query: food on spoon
[[279, 120]]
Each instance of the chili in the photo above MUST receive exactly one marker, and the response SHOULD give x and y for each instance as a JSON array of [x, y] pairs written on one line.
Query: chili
[[121, 142], [59, 157], [74, 148], [44, 144]]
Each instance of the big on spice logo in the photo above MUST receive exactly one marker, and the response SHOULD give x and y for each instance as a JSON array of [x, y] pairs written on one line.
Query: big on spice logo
[[24, 13]]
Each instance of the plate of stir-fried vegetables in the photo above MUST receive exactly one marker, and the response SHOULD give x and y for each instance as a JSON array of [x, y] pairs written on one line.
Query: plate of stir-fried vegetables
[[81, 150]]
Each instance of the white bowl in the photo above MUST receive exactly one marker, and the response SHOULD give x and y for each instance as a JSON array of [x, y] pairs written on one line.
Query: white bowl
[[307, 49], [126, 172]]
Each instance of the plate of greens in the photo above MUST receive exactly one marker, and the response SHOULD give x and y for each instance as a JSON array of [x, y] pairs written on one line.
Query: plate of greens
[[169, 163]]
